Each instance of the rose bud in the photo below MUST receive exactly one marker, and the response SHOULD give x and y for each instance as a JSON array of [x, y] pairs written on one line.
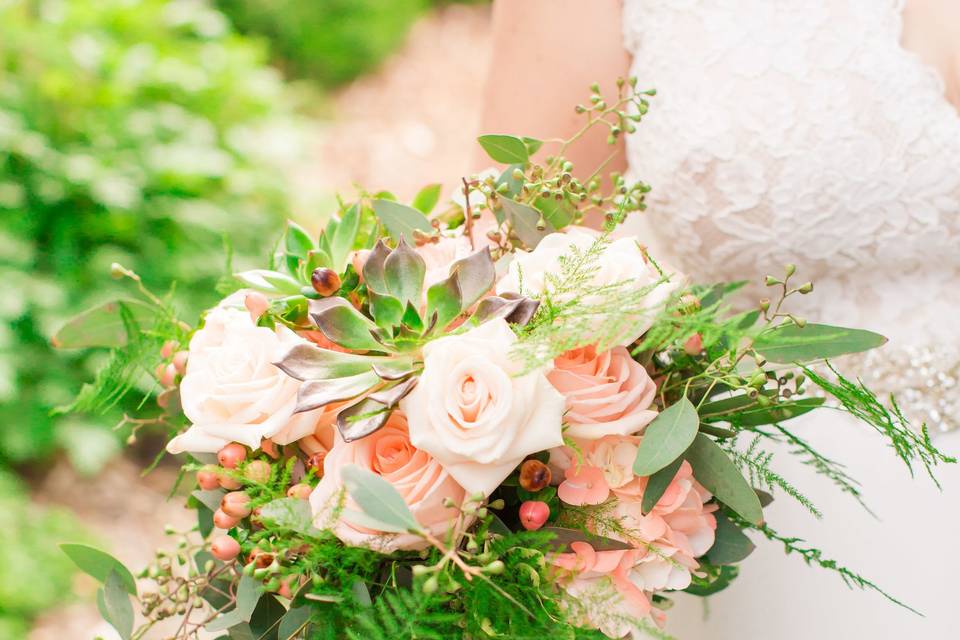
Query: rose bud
[[534, 475], [257, 304], [224, 521], [180, 361], [232, 455], [694, 344], [325, 281], [300, 491], [236, 504], [167, 349], [257, 471], [225, 548], [533, 514], [208, 479]]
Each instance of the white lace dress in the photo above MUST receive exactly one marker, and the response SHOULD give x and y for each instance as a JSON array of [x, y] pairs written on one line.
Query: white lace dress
[[801, 131]]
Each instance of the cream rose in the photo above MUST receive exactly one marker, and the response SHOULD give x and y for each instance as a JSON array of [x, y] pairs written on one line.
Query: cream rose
[[416, 476], [620, 261], [607, 393], [232, 392], [474, 414]]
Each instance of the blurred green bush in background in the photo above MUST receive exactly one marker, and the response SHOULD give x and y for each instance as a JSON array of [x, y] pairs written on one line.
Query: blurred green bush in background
[[130, 131]]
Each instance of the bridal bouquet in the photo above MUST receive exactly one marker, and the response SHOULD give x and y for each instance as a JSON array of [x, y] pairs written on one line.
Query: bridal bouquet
[[473, 420]]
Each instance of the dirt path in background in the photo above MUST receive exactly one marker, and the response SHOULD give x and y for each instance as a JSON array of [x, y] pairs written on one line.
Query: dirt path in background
[[410, 124]]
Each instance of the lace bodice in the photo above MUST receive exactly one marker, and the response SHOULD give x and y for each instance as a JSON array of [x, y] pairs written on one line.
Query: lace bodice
[[801, 131]]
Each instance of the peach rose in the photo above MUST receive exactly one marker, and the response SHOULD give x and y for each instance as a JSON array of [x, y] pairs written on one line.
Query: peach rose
[[620, 261], [607, 393], [474, 414], [232, 392], [420, 479]]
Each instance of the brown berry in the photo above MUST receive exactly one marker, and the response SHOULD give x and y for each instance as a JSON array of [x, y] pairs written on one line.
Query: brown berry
[[534, 475], [325, 281]]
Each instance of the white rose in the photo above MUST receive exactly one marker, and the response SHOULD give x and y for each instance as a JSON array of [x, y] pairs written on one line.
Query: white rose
[[232, 392], [620, 261], [474, 415]]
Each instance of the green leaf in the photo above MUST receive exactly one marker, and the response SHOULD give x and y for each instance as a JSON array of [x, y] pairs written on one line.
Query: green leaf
[[113, 601], [342, 240], [297, 241], [210, 498], [269, 281], [403, 273], [204, 521], [427, 198], [514, 186], [314, 394], [524, 220], [248, 594], [533, 144], [411, 318], [400, 220], [779, 412], [563, 538], [104, 326], [789, 343], [559, 213], [265, 620], [294, 621], [731, 545], [379, 500], [99, 564], [715, 471], [316, 259], [657, 484], [360, 420], [504, 148], [310, 362], [443, 298], [724, 579], [345, 326], [666, 438], [386, 310], [476, 275]]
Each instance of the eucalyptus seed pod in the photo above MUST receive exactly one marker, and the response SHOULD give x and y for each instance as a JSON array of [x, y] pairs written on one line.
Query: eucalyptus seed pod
[[534, 475]]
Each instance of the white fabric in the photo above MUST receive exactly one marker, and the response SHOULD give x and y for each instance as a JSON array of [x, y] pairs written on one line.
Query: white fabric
[[802, 131]]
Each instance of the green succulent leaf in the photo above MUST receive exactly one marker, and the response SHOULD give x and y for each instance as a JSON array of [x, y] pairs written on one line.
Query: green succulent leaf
[[361, 419], [314, 394], [379, 500], [310, 362], [343, 239], [297, 241], [524, 220], [347, 327], [667, 437], [400, 220], [443, 298], [427, 198], [790, 343], [476, 275], [713, 468], [411, 319], [373, 268], [387, 311], [269, 281], [403, 273], [504, 148]]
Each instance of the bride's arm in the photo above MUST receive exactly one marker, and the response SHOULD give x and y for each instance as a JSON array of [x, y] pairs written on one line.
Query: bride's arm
[[546, 54]]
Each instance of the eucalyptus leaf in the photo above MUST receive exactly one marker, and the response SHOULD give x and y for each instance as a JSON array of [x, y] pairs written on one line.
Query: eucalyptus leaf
[[403, 273], [514, 185], [731, 545], [657, 484], [295, 621], [533, 144], [779, 412], [790, 343], [401, 220], [314, 394], [559, 213], [104, 325], [525, 221], [288, 513], [563, 538], [113, 601], [210, 498], [99, 564], [345, 326], [343, 239], [248, 594], [265, 621], [504, 148], [310, 362], [379, 500], [427, 198], [667, 437], [702, 589], [713, 468]]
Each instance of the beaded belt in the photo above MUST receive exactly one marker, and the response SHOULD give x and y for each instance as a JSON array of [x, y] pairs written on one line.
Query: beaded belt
[[925, 382]]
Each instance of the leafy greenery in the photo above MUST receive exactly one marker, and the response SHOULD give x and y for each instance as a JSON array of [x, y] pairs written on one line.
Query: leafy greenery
[[129, 132]]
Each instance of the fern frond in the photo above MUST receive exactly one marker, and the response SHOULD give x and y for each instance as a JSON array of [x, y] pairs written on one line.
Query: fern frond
[[405, 614], [756, 463]]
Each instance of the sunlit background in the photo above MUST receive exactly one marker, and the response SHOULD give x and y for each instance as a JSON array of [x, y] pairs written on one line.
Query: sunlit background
[[174, 137]]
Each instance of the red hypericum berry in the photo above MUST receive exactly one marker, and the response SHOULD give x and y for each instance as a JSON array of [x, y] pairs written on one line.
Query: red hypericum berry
[[257, 304], [325, 281], [236, 504], [694, 344], [168, 375], [232, 455], [534, 475], [180, 361], [208, 479], [533, 514], [300, 491], [167, 349], [228, 483], [225, 548], [224, 521], [257, 471]]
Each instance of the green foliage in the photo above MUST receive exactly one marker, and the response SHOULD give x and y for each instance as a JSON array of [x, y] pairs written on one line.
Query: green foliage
[[34, 574], [129, 132], [329, 41]]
